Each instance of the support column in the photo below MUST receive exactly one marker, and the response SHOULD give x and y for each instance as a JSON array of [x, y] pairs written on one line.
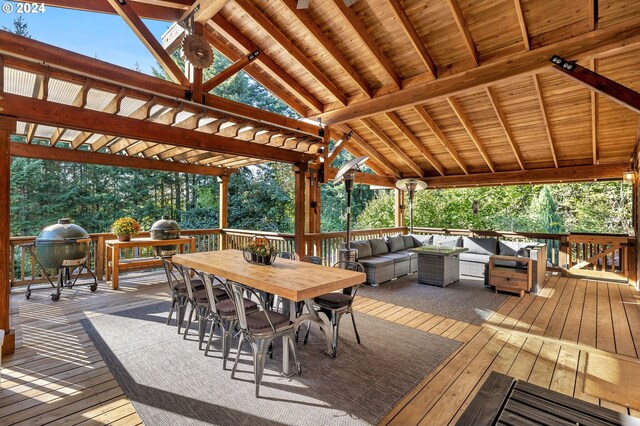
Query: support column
[[399, 207], [300, 171], [7, 125], [223, 212], [634, 258], [195, 74]]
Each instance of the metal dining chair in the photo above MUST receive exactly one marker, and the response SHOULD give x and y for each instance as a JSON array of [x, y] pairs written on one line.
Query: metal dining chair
[[198, 299], [335, 305], [287, 255], [316, 260], [178, 290], [222, 311], [260, 329]]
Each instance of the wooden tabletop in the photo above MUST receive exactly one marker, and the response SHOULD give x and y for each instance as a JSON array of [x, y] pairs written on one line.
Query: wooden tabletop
[[290, 279], [149, 241]]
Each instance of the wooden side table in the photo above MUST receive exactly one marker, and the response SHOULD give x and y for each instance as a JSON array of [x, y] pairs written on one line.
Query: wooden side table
[[513, 280], [115, 264]]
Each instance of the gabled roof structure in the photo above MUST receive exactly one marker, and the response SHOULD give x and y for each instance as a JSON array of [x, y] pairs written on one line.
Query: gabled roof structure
[[454, 92]]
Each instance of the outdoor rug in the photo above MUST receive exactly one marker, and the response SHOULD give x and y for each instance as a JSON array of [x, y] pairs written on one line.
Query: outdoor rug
[[170, 382], [465, 300]]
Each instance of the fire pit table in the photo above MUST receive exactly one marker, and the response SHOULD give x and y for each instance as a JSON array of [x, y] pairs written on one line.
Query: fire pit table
[[438, 265]]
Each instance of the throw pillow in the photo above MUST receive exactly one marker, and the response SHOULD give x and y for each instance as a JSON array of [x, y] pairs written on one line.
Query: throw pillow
[[408, 241], [422, 240], [395, 243], [486, 246], [378, 246], [363, 247]]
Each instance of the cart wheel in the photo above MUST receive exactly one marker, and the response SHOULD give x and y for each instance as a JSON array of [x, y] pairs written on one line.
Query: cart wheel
[[28, 294], [55, 297], [93, 287]]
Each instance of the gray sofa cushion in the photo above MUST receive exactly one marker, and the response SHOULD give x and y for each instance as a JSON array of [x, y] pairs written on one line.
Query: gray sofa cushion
[[481, 245], [408, 241], [395, 243], [397, 257], [377, 261], [514, 248], [446, 240], [363, 247], [378, 246], [474, 257], [422, 240]]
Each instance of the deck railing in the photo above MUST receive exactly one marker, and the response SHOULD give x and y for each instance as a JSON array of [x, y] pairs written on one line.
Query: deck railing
[[593, 255]]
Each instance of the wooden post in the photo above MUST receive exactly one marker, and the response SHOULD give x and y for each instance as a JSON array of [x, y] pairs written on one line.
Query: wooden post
[[195, 74], [563, 258], [7, 125], [399, 207], [634, 258], [223, 215], [300, 170]]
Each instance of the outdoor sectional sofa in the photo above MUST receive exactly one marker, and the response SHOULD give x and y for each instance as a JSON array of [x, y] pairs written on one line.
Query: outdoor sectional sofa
[[389, 258]]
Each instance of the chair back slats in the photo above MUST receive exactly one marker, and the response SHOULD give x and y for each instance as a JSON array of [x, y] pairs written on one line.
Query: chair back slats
[[174, 274], [239, 292], [211, 282], [352, 266]]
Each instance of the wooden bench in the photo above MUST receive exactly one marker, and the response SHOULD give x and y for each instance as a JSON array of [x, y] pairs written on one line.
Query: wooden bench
[[114, 263], [503, 400]]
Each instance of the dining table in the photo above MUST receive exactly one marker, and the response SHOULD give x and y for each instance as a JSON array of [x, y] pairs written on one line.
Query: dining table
[[290, 279]]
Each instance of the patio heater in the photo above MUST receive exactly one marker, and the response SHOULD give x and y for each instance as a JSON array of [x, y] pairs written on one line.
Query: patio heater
[[411, 186], [348, 174]]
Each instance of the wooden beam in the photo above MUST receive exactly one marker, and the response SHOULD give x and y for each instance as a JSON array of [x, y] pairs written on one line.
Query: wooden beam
[[7, 125], [337, 149], [289, 97], [354, 21], [503, 122], [623, 95], [229, 72], [203, 10], [300, 209], [148, 39], [545, 119], [233, 35], [392, 146], [134, 82], [53, 114], [144, 10], [367, 178], [23, 47], [413, 36], [588, 173], [323, 39], [466, 123], [415, 141], [90, 157], [619, 37], [595, 116], [424, 115], [458, 17], [287, 43], [370, 151], [523, 24], [593, 14]]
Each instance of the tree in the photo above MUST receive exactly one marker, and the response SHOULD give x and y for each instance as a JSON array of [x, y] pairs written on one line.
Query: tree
[[19, 27]]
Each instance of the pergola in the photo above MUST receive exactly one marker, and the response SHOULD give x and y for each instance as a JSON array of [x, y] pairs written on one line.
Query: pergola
[[453, 92]]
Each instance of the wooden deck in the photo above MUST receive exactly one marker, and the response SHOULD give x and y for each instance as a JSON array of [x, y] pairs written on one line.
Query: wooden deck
[[57, 376]]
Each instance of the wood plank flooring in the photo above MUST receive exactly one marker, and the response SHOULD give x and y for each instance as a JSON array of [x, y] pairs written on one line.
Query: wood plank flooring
[[57, 376]]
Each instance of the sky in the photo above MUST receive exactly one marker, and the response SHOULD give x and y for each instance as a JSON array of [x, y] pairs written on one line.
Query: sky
[[106, 37]]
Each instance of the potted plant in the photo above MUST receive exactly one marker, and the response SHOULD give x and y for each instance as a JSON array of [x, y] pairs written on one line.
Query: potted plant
[[125, 228], [260, 251]]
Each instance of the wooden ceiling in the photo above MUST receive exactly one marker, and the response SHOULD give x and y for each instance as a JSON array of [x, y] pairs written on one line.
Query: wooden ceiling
[[437, 89]]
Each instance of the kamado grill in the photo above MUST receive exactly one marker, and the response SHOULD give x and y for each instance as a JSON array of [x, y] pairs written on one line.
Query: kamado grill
[[65, 247], [165, 229]]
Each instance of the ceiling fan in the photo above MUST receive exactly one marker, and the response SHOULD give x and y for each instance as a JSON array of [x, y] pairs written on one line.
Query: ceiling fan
[[304, 4]]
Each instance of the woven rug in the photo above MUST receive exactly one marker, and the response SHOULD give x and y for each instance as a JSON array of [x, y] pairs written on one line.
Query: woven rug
[[171, 382], [465, 300]]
